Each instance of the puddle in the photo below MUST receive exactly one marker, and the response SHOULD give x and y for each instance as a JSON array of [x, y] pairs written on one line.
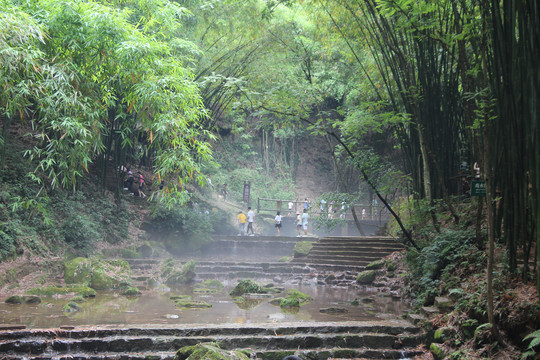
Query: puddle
[[109, 308]]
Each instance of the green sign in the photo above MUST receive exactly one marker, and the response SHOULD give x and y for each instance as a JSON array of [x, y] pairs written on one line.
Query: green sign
[[478, 188]]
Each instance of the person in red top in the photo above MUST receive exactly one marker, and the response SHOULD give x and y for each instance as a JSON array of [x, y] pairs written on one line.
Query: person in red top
[[141, 185]]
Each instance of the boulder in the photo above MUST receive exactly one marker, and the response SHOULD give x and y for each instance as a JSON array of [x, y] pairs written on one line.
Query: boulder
[[98, 274], [366, 277]]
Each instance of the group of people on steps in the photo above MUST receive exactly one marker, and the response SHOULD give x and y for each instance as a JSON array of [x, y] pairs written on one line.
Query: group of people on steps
[[301, 222]]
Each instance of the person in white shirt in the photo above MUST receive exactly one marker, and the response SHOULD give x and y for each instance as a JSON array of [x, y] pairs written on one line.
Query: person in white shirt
[[251, 219], [299, 224], [277, 221], [305, 219]]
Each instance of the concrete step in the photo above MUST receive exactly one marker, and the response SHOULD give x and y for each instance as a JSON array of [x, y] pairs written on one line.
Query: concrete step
[[374, 340]]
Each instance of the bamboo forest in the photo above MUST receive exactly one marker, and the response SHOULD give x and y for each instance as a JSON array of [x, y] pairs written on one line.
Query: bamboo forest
[[269, 179]]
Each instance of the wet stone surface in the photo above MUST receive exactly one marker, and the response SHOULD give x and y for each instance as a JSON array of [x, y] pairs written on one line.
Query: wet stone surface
[[157, 307]]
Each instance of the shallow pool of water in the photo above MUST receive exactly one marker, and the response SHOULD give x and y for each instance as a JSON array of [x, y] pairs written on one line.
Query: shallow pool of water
[[153, 307]]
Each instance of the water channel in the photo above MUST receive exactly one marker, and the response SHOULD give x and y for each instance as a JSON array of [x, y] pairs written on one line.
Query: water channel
[[156, 307]]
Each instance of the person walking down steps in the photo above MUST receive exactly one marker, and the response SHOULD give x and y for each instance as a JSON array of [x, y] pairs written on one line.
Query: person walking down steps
[[298, 224], [277, 221]]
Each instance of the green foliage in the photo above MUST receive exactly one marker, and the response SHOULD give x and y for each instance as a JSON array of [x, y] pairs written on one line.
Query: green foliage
[[8, 240], [263, 185], [183, 227], [80, 233], [437, 259], [534, 342]]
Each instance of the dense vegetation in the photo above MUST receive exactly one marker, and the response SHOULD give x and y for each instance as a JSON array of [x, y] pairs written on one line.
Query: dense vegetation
[[404, 97]]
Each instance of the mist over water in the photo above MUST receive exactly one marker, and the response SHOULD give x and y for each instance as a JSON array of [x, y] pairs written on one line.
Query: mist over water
[[109, 308]]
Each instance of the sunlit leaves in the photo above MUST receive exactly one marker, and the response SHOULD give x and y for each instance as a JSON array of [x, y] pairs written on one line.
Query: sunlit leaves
[[96, 58]]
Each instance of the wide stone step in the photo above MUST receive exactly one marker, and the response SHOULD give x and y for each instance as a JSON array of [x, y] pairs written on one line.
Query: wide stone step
[[358, 247], [358, 238], [381, 339], [161, 343], [340, 262], [377, 252], [344, 257]]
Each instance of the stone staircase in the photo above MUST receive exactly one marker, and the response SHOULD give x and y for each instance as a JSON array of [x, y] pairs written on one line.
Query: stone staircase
[[248, 248], [351, 251], [392, 339], [144, 270]]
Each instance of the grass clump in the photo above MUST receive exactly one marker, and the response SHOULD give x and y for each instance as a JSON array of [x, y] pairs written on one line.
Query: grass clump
[[302, 248]]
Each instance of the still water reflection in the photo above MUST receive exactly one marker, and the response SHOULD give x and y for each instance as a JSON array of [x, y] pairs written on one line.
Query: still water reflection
[[110, 308]]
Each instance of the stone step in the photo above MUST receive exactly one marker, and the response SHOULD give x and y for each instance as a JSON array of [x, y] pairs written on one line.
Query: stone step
[[358, 247], [393, 327], [161, 343], [342, 263], [358, 238], [344, 257], [377, 253], [331, 353], [379, 339]]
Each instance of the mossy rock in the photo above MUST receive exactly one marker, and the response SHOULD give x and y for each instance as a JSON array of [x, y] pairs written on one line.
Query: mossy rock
[[298, 295], [15, 299], [192, 304], [366, 277], [333, 310], [110, 274], [78, 299], [375, 265], [98, 274], [289, 303], [208, 351], [78, 271], [302, 248], [131, 291], [247, 287]]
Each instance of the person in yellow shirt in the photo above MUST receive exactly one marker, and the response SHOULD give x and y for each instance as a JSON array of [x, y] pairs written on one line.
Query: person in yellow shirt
[[241, 219]]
